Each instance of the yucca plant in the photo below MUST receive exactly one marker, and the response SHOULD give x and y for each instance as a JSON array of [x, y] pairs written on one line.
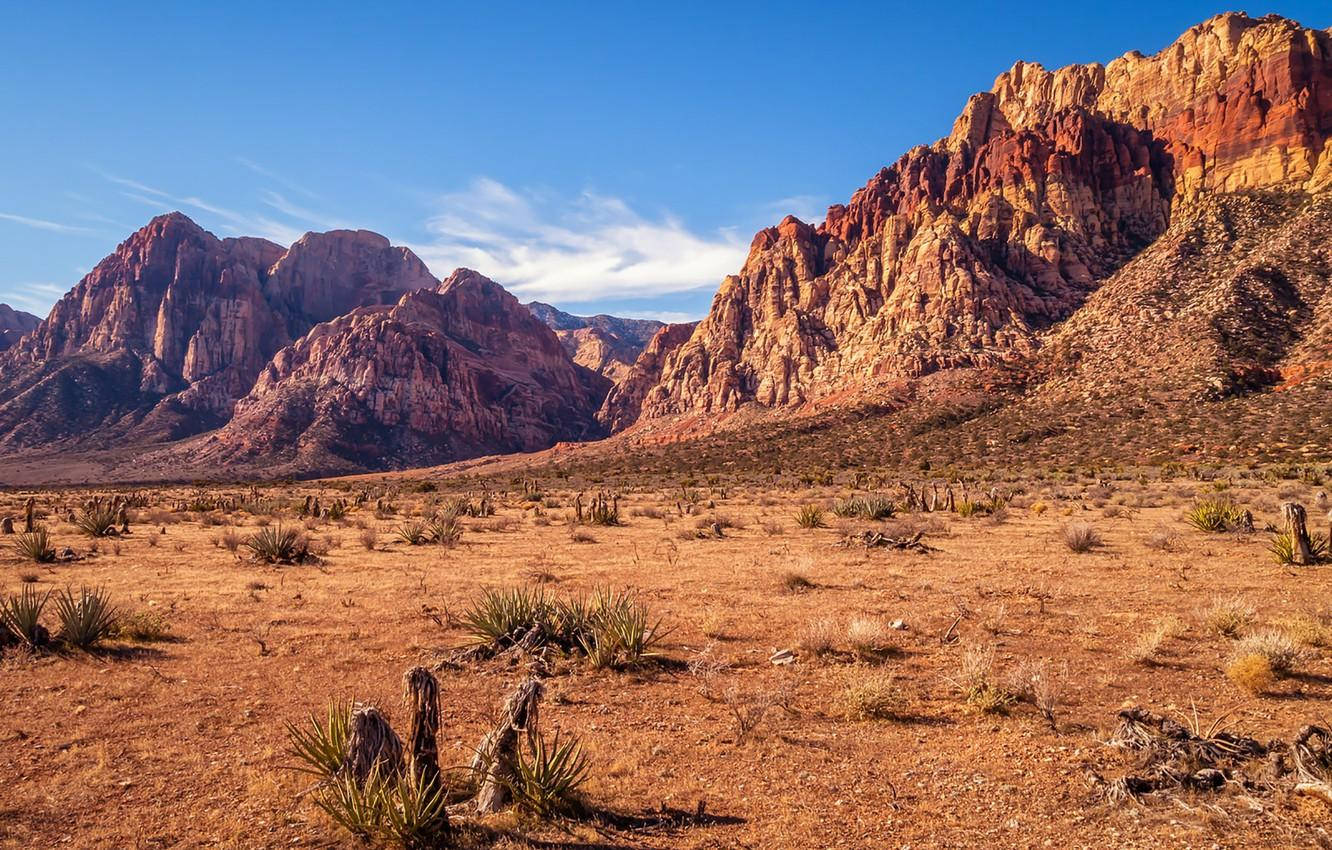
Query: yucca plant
[[414, 811], [21, 616], [1282, 547], [623, 632], [97, 520], [547, 776], [870, 507], [355, 806], [86, 619], [320, 746], [413, 532], [277, 545], [809, 516], [1215, 515], [498, 616], [35, 546], [445, 530]]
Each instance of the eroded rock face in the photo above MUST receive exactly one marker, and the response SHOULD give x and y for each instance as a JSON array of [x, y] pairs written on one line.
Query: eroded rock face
[[964, 254], [608, 345], [175, 325], [14, 324], [624, 402], [442, 374]]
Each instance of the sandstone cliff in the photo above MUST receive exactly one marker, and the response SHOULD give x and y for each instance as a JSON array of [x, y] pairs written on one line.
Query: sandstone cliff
[[14, 324], [605, 344], [965, 253]]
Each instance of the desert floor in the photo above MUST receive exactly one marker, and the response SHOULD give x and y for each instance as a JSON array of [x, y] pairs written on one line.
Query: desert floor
[[180, 743]]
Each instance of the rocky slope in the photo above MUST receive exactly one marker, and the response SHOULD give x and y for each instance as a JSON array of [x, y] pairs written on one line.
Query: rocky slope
[[605, 344], [966, 254], [161, 338], [14, 324], [443, 374]]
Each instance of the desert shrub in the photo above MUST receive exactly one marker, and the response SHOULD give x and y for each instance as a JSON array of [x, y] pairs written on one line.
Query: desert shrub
[[414, 532], [1279, 649], [35, 546], [809, 516], [874, 697], [1147, 645], [1252, 672], [795, 582], [369, 539], [869, 636], [772, 528], [97, 520], [86, 619], [819, 637], [581, 535], [278, 545], [1160, 538], [1081, 537], [1215, 515], [143, 627], [1282, 547], [445, 530], [1308, 629], [230, 539], [977, 685], [21, 615], [1229, 616]]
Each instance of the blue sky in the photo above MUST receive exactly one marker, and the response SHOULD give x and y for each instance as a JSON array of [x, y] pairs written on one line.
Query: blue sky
[[600, 156]]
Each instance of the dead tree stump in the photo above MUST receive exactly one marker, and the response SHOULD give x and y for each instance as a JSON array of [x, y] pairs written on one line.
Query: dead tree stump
[[497, 756], [7, 525], [1302, 549], [422, 693], [372, 748], [29, 512]]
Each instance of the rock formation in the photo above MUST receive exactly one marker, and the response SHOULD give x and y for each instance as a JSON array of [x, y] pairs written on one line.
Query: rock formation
[[166, 333], [965, 253], [440, 375], [624, 402], [605, 344]]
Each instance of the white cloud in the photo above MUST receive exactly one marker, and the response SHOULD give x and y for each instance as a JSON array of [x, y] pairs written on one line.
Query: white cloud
[[585, 248], [33, 297], [808, 208], [43, 224]]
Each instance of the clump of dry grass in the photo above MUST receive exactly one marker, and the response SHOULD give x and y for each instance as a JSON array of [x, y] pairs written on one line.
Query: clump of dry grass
[[810, 516], [795, 582], [581, 535], [819, 637], [874, 697], [369, 539], [1147, 646], [1307, 629], [1252, 672], [1161, 539], [1081, 537], [773, 528], [1228, 616], [1279, 649], [869, 637], [977, 684]]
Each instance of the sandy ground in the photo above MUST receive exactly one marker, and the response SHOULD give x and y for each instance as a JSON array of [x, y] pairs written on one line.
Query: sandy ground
[[181, 743]]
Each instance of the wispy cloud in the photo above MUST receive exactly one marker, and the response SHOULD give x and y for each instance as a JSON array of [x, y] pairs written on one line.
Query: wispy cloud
[[287, 208], [275, 177], [43, 224], [34, 297], [234, 223], [807, 208], [593, 246]]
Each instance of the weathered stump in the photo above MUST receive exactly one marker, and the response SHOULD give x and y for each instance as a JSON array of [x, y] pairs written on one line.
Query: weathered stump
[[497, 756], [373, 747], [1293, 513], [7, 525], [422, 693], [29, 515]]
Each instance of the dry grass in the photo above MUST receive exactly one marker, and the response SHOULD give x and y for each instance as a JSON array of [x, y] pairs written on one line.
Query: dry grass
[[1229, 616]]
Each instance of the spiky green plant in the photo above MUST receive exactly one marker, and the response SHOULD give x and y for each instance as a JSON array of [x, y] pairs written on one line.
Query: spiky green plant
[[548, 776], [356, 807], [97, 520], [623, 632], [86, 619], [21, 616], [414, 532], [319, 747], [500, 616], [1215, 515], [399, 810], [445, 530], [809, 516], [1282, 547], [868, 507], [35, 545], [277, 545]]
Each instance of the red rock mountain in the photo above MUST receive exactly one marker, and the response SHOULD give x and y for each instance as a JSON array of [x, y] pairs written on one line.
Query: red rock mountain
[[14, 324], [605, 344], [443, 374], [969, 252]]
